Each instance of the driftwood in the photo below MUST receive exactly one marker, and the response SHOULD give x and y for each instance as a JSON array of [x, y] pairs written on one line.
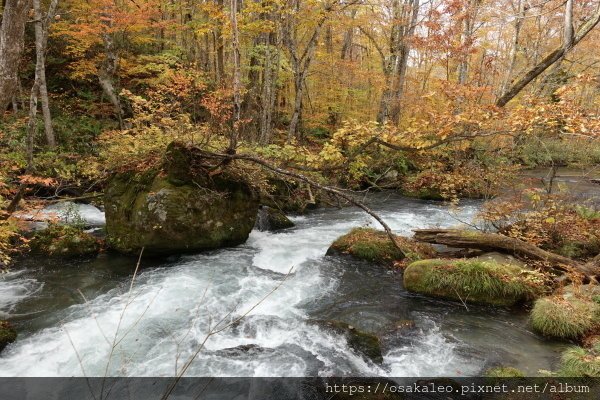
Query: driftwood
[[496, 242]]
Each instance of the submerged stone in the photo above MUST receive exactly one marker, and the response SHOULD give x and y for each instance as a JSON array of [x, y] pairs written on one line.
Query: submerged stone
[[7, 334], [362, 342], [178, 208], [474, 281]]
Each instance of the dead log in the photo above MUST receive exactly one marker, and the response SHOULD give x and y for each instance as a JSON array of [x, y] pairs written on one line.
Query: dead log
[[495, 242]]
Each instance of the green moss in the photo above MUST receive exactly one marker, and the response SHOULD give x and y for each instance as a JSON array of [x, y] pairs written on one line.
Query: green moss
[[504, 372], [7, 334], [376, 246], [60, 240], [580, 362], [473, 281], [565, 318]]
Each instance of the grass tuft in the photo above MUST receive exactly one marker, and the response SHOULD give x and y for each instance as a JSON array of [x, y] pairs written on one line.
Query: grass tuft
[[580, 362], [475, 281], [565, 318]]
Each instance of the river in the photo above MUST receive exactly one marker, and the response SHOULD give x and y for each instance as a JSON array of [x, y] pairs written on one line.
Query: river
[[173, 304]]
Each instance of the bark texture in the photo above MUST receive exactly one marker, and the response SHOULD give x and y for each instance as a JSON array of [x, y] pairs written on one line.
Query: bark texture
[[12, 36]]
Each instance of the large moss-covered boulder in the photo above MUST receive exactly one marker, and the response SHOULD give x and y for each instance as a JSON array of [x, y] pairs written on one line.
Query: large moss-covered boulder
[[61, 240], [375, 246], [571, 314], [474, 281], [179, 207], [7, 334]]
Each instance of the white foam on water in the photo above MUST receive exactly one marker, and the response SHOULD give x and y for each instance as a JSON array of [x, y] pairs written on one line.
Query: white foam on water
[[15, 288], [432, 355], [65, 211]]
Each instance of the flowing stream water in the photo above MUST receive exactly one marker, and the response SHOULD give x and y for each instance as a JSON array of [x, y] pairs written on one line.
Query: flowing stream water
[[174, 303]]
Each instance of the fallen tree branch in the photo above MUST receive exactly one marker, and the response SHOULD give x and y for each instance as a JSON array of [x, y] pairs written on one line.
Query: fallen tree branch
[[328, 189], [496, 242]]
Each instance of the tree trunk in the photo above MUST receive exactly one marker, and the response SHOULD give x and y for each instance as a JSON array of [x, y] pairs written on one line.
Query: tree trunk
[[465, 40], [551, 58], [404, 18], [413, 10], [42, 25], [219, 49], [514, 50], [348, 39], [269, 89], [106, 74], [495, 242], [237, 98], [12, 36]]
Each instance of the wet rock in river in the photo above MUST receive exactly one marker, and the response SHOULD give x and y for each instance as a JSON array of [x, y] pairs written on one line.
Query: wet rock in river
[[271, 219], [7, 334], [362, 342], [177, 208]]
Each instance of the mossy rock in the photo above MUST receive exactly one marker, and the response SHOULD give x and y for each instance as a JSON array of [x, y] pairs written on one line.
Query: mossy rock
[[60, 240], [565, 317], [375, 246], [580, 362], [271, 219], [175, 208], [504, 372], [7, 334], [474, 281], [362, 342]]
